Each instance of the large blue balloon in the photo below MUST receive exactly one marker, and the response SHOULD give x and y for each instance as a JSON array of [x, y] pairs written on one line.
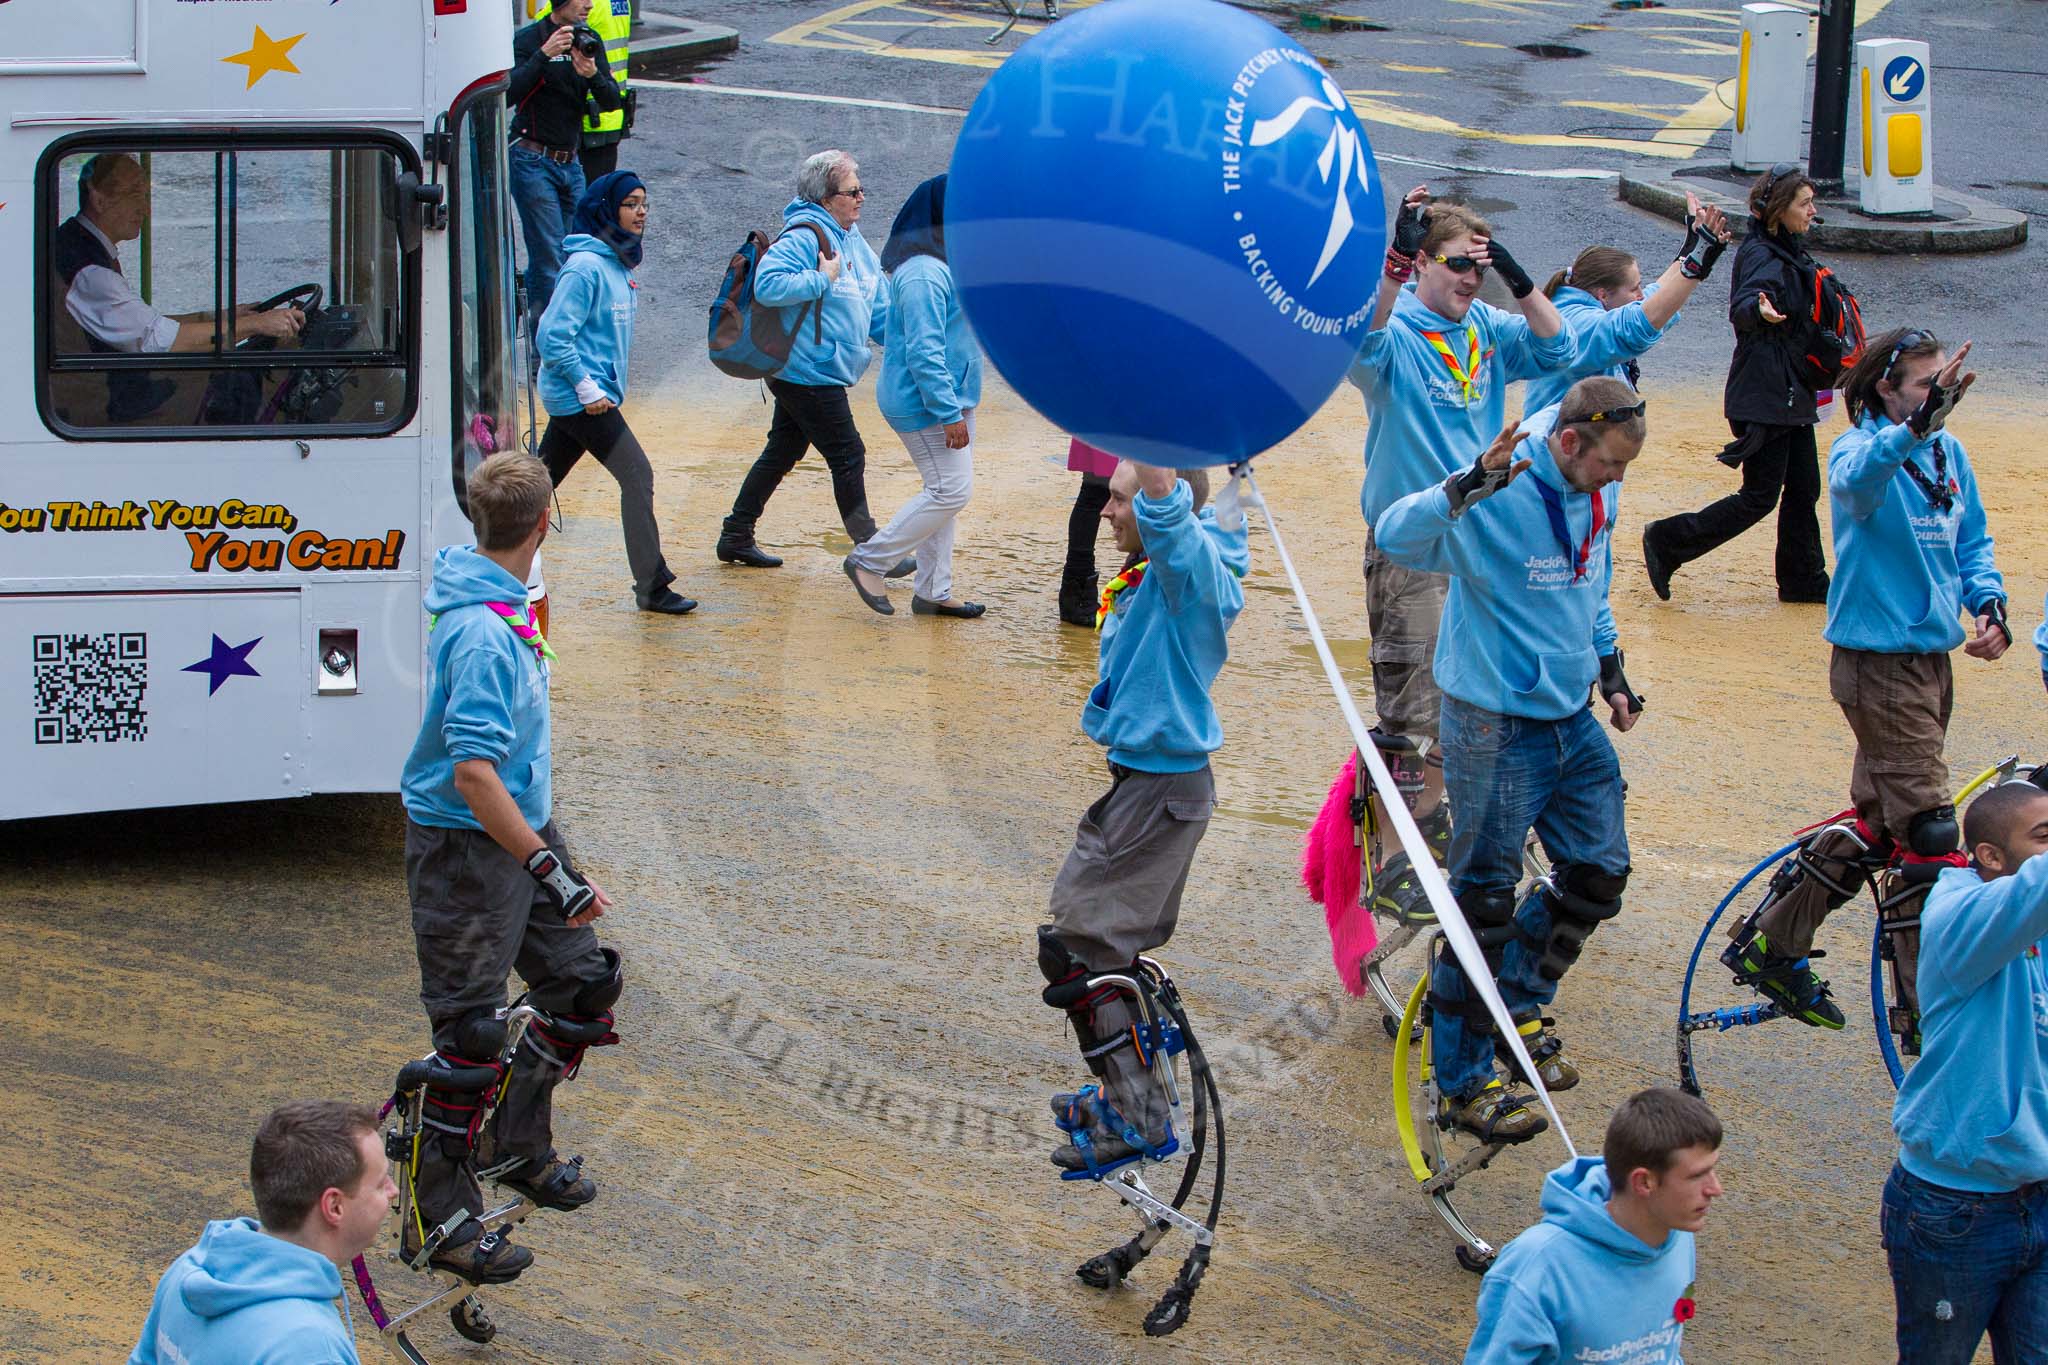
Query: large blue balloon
[[1167, 229]]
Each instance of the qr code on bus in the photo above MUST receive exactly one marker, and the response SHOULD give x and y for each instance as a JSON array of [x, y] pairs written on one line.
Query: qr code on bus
[[89, 687]]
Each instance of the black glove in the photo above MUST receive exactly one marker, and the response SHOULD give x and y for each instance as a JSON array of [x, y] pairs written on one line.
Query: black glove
[[1614, 682], [1476, 484], [564, 884], [1511, 273], [1702, 248], [1934, 409], [1994, 607], [1411, 225]]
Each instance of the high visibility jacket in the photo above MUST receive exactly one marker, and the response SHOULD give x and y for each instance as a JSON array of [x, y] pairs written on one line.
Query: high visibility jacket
[[612, 20]]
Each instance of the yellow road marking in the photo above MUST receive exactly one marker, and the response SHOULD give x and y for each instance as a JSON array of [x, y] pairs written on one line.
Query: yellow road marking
[[1655, 113], [1417, 70], [1395, 116], [1695, 47]]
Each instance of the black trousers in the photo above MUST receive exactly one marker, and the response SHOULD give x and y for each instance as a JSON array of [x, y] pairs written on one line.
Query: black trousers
[[1782, 470], [607, 436], [1084, 523], [807, 415], [599, 160]]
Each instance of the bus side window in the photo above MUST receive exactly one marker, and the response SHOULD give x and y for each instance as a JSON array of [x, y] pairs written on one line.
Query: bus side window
[[201, 288]]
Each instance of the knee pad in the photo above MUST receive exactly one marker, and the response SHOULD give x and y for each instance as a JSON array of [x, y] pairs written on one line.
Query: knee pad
[[455, 1107], [1068, 991], [479, 1038], [1492, 917], [1933, 833], [597, 997], [1579, 898]]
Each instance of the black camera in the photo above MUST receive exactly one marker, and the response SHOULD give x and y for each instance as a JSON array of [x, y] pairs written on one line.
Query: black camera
[[588, 43]]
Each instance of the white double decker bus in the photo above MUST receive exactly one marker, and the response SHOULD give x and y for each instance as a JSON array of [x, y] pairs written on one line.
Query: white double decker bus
[[256, 268]]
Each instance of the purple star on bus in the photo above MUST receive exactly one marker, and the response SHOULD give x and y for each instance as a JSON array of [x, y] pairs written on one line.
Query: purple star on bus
[[224, 662]]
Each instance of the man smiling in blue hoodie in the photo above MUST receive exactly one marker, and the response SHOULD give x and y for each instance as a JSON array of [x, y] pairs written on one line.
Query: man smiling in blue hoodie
[[1165, 621], [1434, 371], [263, 1293], [491, 884], [1527, 634], [1966, 1208], [1607, 1275]]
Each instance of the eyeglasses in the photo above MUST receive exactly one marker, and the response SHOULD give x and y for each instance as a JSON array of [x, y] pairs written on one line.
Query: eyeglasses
[[855, 193], [1606, 415], [1460, 264]]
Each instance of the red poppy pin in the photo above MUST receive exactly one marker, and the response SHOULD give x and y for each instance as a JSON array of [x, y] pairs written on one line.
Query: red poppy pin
[[1683, 1310]]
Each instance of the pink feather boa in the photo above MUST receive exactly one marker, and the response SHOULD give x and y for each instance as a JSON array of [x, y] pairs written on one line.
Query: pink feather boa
[[1330, 870]]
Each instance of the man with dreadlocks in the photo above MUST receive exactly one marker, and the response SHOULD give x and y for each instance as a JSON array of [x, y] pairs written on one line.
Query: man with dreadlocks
[[1164, 622], [1912, 557]]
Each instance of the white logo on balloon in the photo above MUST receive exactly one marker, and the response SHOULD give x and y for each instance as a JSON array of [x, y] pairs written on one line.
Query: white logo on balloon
[[1344, 150]]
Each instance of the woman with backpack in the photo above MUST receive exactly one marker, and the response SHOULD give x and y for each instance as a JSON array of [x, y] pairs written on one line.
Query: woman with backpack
[[585, 339], [930, 386], [1783, 356]]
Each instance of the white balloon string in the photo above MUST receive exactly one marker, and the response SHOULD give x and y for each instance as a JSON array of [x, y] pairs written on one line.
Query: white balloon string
[[1449, 917]]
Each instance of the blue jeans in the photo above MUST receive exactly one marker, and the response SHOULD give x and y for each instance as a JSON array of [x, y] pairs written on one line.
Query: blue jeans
[[546, 192], [1964, 1264], [1506, 775]]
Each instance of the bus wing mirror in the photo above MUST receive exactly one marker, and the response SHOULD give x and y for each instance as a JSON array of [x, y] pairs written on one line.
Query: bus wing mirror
[[420, 207]]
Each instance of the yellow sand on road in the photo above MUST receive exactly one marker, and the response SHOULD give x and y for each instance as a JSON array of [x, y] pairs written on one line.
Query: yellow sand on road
[[830, 836]]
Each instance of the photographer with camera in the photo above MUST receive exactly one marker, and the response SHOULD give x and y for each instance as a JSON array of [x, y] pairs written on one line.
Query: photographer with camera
[[558, 68]]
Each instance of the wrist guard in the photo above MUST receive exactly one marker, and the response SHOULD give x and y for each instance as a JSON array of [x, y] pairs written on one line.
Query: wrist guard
[[1475, 484], [1399, 268], [1702, 248], [1614, 682], [1510, 270], [1994, 607], [565, 886], [1934, 409], [1411, 225]]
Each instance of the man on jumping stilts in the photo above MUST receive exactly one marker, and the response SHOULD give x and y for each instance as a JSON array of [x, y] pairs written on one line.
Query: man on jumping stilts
[[1164, 621], [491, 885], [1527, 635], [1434, 371]]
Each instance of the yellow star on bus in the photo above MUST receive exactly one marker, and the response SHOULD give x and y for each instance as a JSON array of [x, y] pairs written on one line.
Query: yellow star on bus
[[265, 55]]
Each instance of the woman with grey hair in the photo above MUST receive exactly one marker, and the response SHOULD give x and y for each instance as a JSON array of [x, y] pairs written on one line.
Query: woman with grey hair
[[824, 277]]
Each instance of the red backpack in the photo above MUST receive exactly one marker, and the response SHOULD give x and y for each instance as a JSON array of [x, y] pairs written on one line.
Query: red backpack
[[1835, 340]]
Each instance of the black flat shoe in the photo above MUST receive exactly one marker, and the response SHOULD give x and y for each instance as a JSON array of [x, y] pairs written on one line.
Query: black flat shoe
[[747, 555], [876, 602], [904, 568], [1659, 571], [671, 603], [924, 606]]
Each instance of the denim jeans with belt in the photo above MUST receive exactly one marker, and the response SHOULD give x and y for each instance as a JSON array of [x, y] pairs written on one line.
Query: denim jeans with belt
[[1506, 775], [545, 191], [1965, 1264]]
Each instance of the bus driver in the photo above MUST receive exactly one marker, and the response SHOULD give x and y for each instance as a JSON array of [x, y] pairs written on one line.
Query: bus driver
[[113, 204]]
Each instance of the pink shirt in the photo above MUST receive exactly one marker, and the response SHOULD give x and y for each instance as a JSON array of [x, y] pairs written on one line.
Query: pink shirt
[[1086, 459]]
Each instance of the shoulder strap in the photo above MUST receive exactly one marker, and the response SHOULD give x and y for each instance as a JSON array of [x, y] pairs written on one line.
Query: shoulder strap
[[817, 306]]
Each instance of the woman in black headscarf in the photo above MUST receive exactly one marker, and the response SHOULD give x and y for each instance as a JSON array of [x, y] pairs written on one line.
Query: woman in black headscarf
[[1769, 402], [585, 339], [929, 388]]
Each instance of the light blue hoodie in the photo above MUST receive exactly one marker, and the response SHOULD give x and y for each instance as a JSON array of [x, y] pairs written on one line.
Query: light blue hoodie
[[1164, 642], [1423, 423], [1904, 569], [243, 1297], [1523, 630], [931, 366], [488, 698], [1973, 1113], [1579, 1287], [1604, 340], [586, 334], [834, 349]]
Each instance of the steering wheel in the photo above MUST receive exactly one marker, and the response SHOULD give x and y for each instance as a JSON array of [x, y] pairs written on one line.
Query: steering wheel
[[310, 292]]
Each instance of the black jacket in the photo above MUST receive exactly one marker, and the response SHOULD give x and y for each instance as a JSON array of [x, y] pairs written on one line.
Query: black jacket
[[1763, 379], [546, 94]]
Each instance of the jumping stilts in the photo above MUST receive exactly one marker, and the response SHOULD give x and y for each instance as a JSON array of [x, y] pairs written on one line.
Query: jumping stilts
[[1166, 1035]]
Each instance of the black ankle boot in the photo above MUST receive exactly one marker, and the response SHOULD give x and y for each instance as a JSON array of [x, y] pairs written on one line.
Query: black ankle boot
[[1079, 598]]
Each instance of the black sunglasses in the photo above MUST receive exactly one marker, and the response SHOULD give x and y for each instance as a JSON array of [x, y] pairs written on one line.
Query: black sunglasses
[[1779, 172], [1607, 415], [1913, 339], [1460, 264]]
